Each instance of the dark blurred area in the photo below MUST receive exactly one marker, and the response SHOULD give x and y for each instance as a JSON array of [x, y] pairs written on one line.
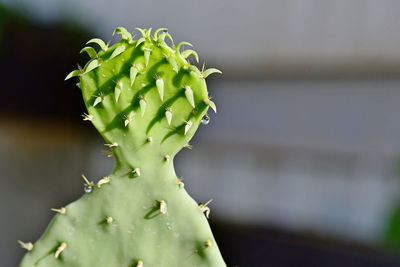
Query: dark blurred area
[[35, 58], [301, 159]]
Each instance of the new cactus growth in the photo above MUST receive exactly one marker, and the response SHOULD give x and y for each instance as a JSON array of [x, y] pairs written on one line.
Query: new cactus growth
[[147, 101]]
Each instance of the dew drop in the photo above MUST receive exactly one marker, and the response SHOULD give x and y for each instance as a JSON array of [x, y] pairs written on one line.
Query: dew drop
[[205, 120], [87, 188]]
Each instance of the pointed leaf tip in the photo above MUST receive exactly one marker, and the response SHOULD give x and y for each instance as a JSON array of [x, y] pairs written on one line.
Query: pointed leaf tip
[[187, 53], [118, 51], [189, 95], [142, 31], [117, 93], [141, 40], [73, 73], [168, 115], [125, 35], [161, 38], [97, 101], [92, 65], [207, 72], [213, 106], [133, 73], [178, 46], [172, 61], [142, 104], [100, 42], [147, 56], [187, 126], [157, 31], [90, 51], [160, 88]]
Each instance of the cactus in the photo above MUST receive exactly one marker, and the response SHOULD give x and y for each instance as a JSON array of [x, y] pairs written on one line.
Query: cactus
[[147, 101]]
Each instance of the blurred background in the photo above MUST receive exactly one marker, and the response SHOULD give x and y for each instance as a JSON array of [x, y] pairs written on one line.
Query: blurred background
[[302, 160]]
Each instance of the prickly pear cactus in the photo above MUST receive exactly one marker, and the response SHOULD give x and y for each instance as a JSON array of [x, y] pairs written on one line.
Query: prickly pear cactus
[[147, 101]]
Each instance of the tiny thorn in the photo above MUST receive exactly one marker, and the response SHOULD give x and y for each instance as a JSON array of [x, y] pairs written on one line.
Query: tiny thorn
[[139, 263], [168, 115], [128, 118], [204, 208], [89, 184], [87, 117], [150, 139], [109, 219], [188, 146], [167, 157], [208, 243], [61, 210], [115, 144], [163, 207], [60, 249], [104, 180], [160, 87], [189, 95], [179, 182], [187, 126], [28, 246], [137, 171]]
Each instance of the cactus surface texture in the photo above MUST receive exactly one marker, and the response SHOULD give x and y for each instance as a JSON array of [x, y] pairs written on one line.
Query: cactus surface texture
[[147, 101]]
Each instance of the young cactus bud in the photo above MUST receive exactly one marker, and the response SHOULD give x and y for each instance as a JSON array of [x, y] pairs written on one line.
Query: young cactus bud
[[140, 214]]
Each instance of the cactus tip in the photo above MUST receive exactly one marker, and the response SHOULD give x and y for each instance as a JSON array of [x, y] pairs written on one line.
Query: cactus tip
[[163, 207], [60, 249], [28, 246], [60, 210]]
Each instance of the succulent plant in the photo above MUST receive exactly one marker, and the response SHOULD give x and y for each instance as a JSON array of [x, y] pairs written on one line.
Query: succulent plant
[[147, 101]]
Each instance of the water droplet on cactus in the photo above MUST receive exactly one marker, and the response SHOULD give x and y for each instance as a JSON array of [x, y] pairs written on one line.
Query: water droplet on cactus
[[87, 188], [205, 120]]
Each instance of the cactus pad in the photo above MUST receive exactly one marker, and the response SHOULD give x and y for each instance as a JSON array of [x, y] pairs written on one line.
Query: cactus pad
[[147, 101]]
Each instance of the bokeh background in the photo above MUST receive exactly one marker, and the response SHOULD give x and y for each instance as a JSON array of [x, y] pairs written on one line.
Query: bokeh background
[[301, 160]]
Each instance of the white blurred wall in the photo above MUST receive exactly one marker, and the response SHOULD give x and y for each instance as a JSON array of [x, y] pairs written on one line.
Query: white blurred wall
[[255, 37]]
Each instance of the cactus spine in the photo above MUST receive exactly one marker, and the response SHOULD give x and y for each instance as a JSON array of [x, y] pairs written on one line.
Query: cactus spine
[[147, 101]]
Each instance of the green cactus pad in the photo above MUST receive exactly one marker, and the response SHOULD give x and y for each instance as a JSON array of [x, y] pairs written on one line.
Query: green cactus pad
[[147, 101]]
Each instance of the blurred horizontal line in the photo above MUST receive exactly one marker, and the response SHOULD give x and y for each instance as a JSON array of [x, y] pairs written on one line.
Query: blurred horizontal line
[[281, 70]]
